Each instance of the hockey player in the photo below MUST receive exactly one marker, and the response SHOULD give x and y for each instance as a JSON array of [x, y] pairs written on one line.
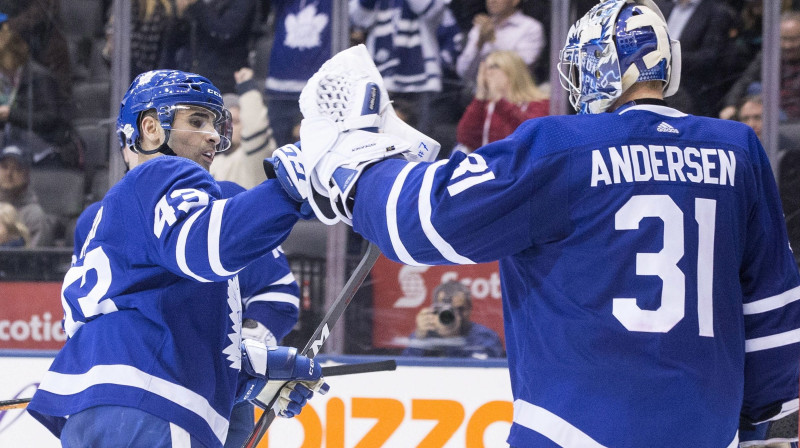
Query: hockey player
[[650, 295], [153, 302]]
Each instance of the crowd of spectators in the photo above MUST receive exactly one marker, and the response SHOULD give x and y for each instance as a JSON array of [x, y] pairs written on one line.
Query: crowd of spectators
[[467, 72]]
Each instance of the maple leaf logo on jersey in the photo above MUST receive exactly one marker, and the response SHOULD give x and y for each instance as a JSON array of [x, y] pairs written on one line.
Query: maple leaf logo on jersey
[[664, 127], [304, 29], [234, 350]]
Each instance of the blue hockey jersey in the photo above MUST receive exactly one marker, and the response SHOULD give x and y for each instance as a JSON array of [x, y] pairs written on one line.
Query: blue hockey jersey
[[270, 293], [649, 292], [153, 306], [301, 43]]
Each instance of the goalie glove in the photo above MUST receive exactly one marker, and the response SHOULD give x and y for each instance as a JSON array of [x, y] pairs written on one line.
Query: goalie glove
[[335, 161], [349, 89], [344, 98]]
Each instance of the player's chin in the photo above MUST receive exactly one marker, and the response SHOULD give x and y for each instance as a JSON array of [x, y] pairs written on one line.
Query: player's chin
[[206, 159]]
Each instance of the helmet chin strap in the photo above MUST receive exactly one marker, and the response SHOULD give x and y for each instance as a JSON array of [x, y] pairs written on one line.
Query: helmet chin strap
[[163, 148]]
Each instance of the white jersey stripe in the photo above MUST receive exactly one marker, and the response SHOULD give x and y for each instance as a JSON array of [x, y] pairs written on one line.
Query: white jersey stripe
[[214, 230], [70, 384], [180, 437], [661, 110], [772, 341], [180, 249], [275, 297], [425, 211], [772, 303], [551, 426], [287, 279], [391, 217]]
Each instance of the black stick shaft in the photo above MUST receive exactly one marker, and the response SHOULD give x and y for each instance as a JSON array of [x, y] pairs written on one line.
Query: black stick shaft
[[321, 333], [17, 403], [365, 367]]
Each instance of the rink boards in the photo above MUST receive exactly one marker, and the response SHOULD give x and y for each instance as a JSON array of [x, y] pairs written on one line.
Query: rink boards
[[452, 404]]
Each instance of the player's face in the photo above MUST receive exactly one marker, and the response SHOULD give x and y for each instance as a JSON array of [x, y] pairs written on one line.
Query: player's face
[[196, 137]]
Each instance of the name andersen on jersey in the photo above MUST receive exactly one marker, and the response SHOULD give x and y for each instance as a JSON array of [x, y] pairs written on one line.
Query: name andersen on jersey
[[640, 163]]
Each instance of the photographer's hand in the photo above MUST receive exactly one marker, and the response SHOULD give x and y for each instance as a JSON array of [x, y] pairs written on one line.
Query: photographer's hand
[[427, 322]]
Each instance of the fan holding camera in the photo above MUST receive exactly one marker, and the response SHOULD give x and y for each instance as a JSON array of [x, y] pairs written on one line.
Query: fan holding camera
[[445, 329]]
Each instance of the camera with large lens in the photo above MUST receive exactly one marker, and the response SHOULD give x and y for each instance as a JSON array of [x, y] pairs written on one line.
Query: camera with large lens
[[446, 314]]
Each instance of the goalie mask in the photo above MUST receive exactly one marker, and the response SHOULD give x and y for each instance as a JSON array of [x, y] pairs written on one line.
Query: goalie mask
[[166, 91], [615, 45]]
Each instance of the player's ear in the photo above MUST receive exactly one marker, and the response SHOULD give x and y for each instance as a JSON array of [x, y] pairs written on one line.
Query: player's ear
[[151, 132]]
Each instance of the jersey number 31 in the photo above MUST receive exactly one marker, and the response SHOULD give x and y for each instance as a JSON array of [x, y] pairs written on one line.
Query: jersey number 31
[[664, 264]]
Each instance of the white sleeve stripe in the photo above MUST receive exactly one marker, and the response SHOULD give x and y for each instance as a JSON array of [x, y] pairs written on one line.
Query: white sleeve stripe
[[786, 409], [425, 211], [275, 297], [391, 217], [123, 375], [462, 185], [287, 279], [179, 436], [772, 303], [772, 341], [180, 249], [555, 428], [214, 230]]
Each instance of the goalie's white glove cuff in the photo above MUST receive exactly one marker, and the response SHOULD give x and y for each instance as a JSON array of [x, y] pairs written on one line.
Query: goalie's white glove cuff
[[334, 161]]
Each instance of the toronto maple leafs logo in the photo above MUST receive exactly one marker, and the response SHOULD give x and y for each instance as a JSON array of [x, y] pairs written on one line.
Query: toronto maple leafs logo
[[235, 336], [304, 29]]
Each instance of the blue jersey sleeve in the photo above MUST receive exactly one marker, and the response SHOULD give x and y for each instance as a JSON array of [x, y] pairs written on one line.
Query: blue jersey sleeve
[[771, 304], [196, 234], [468, 209], [270, 293]]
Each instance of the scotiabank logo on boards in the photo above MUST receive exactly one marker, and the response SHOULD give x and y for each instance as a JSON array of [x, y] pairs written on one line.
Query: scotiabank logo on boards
[[30, 316], [400, 291]]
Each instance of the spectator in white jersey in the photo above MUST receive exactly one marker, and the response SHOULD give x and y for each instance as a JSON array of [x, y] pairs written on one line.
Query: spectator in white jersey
[[650, 296], [446, 328], [153, 303]]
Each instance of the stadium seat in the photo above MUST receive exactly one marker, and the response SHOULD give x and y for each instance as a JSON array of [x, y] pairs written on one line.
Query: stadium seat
[[60, 190], [95, 136], [91, 101]]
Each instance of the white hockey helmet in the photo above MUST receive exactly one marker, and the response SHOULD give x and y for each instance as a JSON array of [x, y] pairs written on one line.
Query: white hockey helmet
[[616, 44]]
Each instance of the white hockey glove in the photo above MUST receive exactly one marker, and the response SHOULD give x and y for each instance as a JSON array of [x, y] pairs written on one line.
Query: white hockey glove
[[300, 374], [255, 330], [336, 160], [346, 109]]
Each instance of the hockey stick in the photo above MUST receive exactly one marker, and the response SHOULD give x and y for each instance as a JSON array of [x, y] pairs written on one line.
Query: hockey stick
[[321, 333], [18, 403], [343, 369]]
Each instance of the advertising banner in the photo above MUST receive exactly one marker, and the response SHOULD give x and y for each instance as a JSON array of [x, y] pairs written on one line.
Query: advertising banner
[[400, 291], [30, 316]]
